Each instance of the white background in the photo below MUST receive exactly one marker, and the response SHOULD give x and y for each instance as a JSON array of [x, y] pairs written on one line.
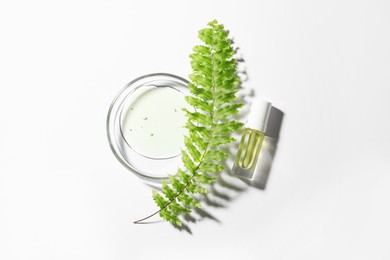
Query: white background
[[324, 64]]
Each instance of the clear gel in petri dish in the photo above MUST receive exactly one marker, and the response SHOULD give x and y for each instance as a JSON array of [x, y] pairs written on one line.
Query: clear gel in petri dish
[[145, 125]]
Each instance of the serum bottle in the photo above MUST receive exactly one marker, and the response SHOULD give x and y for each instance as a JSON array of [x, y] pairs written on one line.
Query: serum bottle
[[252, 139]]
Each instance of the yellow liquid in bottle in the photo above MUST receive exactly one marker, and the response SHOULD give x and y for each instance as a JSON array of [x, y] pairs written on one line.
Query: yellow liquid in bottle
[[248, 152]]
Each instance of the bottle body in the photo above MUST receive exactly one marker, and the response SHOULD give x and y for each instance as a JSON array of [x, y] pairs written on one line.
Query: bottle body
[[248, 152]]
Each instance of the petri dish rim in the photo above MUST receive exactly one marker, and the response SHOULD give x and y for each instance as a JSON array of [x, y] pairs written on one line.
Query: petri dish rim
[[115, 111]]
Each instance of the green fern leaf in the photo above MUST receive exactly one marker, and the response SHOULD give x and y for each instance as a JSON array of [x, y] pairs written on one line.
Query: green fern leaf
[[184, 177], [189, 201], [199, 104], [226, 111], [225, 98], [215, 155], [188, 163], [210, 168], [204, 178], [218, 140], [196, 189], [170, 217], [160, 201], [177, 184], [198, 117], [200, 92], [169, 193], [227, 127], [177, 208], [193, 151], [201, 80], [199, 140], [213, 88], [203, 131]]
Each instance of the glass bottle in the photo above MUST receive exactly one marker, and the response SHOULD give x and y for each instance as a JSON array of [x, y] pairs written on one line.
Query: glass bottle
[[252, 139]]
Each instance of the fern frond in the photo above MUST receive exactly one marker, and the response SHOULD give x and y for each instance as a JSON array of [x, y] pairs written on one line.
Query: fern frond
[[213, 88]]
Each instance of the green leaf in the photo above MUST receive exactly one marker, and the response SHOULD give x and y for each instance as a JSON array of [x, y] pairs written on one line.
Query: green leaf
[[213, 88], [178, 209], [204, 178], [206, 35], [215, 155], [184, 177], [225, 85], [203, 131], [169, 193], [189, 201], [202, 68], [223, 54], [227, 127], [200, 92], [221, 139], [225, 98], [188, 163], [199, 104], [160, 201], [223, 46], [203, 50], [196, 189], [176, 183], [193, 151], [210, 168], [170, 217], [227, 111], [213, 23], [198, 117], [200, 142], [201, 80]]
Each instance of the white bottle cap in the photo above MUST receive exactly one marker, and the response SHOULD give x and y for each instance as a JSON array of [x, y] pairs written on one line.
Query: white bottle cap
[[258, 115]]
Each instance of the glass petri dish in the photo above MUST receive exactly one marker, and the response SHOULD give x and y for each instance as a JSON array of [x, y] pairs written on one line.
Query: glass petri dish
[[145, 125]]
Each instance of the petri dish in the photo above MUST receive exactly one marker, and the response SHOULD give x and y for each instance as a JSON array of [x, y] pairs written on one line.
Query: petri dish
[[145, 125]]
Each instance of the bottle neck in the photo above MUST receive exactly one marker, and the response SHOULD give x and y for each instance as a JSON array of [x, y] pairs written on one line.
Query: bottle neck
[[258, 127]]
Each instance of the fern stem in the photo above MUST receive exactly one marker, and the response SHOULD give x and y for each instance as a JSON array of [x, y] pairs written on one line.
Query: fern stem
[[145, 218]]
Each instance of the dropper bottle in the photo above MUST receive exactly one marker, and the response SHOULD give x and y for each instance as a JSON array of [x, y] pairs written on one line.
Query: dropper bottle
[[252, 139]]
